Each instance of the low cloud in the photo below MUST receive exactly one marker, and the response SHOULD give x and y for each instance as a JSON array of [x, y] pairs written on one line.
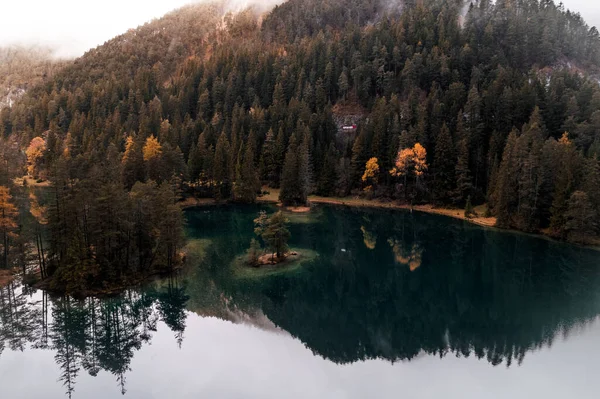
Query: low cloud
[[71, 27]]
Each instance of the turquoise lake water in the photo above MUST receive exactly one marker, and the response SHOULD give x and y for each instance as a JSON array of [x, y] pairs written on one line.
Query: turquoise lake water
[[390, 304]]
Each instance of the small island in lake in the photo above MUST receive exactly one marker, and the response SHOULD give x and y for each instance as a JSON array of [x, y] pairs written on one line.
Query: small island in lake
[[290, 263], [276, 257]]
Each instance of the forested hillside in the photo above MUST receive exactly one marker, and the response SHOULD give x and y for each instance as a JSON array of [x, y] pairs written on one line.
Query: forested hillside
[[485, 103], [23, 67]]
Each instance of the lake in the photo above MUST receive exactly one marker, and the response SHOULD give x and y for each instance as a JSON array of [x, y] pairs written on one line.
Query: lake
[[390, 304]]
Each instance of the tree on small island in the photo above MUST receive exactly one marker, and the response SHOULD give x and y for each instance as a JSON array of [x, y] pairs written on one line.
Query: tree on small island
[[254, 252], [273, 231]]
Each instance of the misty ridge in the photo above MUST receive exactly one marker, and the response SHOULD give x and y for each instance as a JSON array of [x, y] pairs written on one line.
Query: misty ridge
[[24, 64], [57, 50]]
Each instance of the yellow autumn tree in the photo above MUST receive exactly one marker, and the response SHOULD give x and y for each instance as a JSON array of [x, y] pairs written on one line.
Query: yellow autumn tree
[[371, 173], [8, 222], [152, 153], [420, 160], [35, 156], [128, 149], [152, 149], [410, 161]]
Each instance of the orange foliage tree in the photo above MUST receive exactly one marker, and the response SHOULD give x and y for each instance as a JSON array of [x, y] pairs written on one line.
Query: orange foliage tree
[[35, 156], [410, 161]]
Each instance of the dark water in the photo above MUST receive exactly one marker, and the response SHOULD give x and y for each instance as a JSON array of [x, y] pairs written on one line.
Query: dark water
[[395, 305]]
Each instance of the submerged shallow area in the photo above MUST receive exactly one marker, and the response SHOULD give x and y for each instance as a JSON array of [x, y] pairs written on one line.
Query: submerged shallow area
[[392, 304]]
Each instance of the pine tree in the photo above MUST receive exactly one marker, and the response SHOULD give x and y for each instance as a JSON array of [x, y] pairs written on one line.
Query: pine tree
[[197, 159], [581, 219], [305, 168], [528, 153], [328, 178], [247, 183], [132, 163], [359, 155], [294, 179], [591, 182], [469, 211], [443, 166], [565, 182], [505, 194], [268, 160], [274, 232], [223, 169], [464, 181]]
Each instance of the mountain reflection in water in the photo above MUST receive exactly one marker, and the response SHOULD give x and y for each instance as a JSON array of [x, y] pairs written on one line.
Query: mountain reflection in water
[[393, 286]]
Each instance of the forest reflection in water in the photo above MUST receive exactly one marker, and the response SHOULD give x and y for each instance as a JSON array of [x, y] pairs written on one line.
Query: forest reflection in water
[[386, 285], [89, 335]]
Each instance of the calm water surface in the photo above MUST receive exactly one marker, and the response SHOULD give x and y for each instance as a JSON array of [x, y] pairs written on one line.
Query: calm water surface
[[395, 305]]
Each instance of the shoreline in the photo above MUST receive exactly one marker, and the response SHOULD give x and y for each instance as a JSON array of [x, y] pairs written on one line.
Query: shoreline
[[273, 198], [353, 202]]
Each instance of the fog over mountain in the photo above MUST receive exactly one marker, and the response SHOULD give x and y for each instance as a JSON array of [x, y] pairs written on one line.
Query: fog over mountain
[[72, 27]]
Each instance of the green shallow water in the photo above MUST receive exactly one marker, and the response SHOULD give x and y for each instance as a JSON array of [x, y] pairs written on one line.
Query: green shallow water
[[390, 304]]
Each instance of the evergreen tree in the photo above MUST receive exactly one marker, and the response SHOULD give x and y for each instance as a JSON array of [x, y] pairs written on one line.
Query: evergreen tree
[[328, 179], [197, 160], [223, 169], [591, 182], [274, 232], [359, 155], [581, 219], [505, 194], [565, 183], [247, 183], [443, 166], [132, 163], [269, 167], [295, 174], [464, 182], [469, 211]]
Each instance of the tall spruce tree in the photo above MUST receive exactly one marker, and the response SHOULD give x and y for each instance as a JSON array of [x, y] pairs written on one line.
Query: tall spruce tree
[[443, 166], [247, 183], [505, 194], [295, 175], [223, 169]]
